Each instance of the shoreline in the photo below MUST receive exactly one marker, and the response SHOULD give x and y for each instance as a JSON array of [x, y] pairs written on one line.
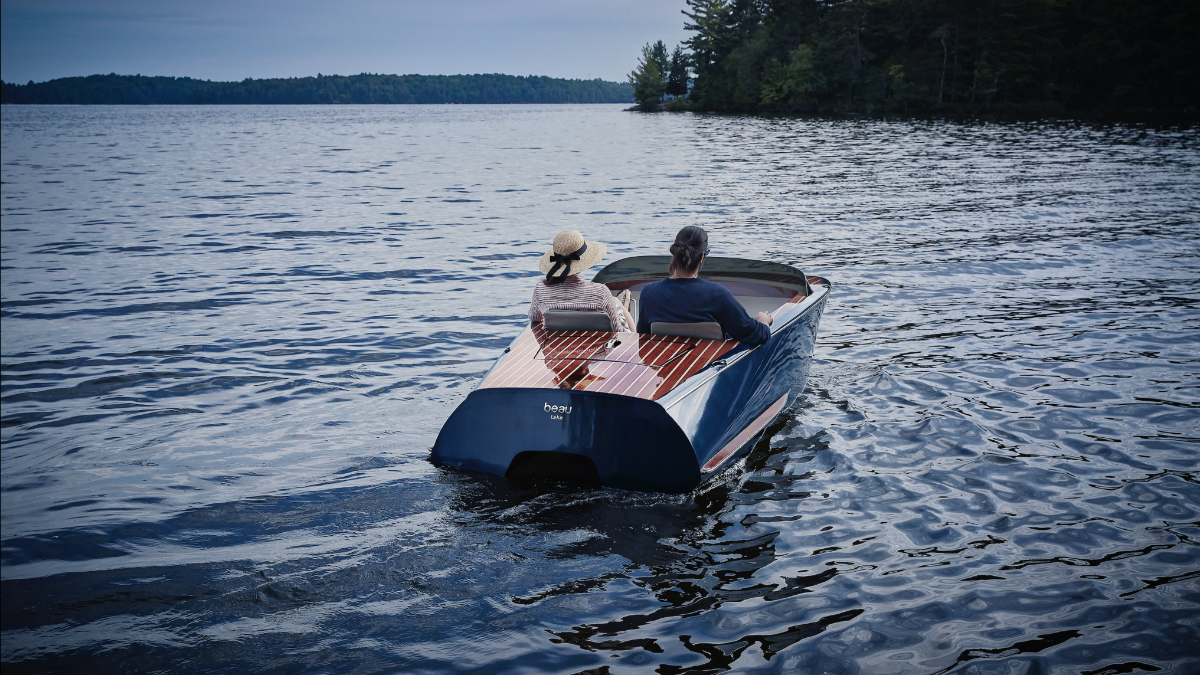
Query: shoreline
[[1184, 117]]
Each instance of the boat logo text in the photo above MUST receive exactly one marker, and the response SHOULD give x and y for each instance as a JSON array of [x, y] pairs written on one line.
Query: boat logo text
[[557, 411]]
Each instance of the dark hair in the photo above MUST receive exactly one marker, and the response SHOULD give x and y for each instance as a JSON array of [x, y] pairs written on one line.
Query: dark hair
[[690, 245]]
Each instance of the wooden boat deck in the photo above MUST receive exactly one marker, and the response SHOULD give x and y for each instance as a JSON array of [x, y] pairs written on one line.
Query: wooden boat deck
[[627, 364]]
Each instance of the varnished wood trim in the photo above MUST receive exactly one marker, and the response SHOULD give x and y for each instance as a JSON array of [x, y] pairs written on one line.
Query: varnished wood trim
[[740, 440], [624, 370]]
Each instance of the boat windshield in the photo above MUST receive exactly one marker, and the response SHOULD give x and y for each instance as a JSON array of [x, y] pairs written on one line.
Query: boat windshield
[[757, 285]]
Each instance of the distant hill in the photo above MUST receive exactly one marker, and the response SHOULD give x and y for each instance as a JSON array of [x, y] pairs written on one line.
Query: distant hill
[[365, 88]]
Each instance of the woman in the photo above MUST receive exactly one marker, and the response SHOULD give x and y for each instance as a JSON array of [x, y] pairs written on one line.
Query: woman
[[686, 298], [563, 288]]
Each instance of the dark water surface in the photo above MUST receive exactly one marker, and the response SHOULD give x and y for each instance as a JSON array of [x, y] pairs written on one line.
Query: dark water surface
[[230, 334]]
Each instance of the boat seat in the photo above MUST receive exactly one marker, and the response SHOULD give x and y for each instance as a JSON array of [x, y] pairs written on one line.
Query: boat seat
[[567, 319], [708, 330]]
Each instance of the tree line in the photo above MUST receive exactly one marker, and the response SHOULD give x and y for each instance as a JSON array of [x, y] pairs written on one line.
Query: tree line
[[364, 88], [1005, 56]]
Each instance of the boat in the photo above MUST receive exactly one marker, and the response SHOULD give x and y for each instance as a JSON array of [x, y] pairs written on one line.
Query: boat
[[660, 412]]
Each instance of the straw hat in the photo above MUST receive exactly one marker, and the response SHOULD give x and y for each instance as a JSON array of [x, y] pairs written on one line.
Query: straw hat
[[571, 255]]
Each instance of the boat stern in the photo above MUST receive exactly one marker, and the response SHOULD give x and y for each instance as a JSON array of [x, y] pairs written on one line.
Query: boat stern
[[632, 442]]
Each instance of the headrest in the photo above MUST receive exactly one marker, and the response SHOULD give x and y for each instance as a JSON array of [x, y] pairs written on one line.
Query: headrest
[[565, 319], [707, 330]]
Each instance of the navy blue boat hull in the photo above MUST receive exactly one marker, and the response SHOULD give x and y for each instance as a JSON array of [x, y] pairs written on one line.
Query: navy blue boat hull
[[633, 443], [755, 380]]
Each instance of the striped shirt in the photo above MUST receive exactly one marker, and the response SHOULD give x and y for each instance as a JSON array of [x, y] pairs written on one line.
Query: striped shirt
[[576, 294]]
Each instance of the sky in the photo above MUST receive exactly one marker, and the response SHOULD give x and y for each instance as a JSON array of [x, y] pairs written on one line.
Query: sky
[[227, 40]]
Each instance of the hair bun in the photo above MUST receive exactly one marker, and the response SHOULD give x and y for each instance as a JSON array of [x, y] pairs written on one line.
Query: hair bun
[[688, 250]]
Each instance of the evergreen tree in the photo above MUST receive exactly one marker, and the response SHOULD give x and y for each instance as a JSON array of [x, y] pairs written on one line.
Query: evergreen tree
[[709, 19], [794, 86], [677, 74], [658, 52], [647, 80]]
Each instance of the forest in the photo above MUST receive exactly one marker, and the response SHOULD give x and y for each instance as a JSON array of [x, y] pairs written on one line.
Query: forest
[[1025, 57], [364, 88]]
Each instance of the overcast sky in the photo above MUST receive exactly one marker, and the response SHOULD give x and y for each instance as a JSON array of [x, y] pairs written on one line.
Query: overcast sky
[[235, 39]]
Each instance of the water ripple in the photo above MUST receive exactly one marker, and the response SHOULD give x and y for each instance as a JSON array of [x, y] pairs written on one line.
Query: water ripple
[[230, 334]]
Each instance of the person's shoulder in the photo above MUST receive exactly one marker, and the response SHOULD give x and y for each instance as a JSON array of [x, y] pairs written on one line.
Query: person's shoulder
[[713, 287], [543, 291], [655, 287], [592, 286]]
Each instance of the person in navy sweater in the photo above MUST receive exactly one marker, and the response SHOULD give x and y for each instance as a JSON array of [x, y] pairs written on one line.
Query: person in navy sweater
[[686, 298]]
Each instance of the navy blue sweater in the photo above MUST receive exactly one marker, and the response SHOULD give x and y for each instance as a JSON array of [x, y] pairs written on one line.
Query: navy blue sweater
[[696, 301]]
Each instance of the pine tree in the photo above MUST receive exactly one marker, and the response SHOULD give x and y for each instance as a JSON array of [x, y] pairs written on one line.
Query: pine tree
[[677, 75], [658, 52], [647, 80]]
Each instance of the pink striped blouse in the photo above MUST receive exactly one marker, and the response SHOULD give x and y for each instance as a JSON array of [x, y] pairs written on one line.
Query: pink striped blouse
[[576, 294]]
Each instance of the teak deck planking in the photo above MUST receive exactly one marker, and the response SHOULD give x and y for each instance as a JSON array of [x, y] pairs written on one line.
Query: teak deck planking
[[627, 364]]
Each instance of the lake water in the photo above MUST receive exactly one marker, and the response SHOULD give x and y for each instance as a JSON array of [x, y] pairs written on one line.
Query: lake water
[[231, 333]]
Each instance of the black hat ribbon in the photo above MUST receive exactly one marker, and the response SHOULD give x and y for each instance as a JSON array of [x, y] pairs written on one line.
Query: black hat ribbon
[[565, 262]]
